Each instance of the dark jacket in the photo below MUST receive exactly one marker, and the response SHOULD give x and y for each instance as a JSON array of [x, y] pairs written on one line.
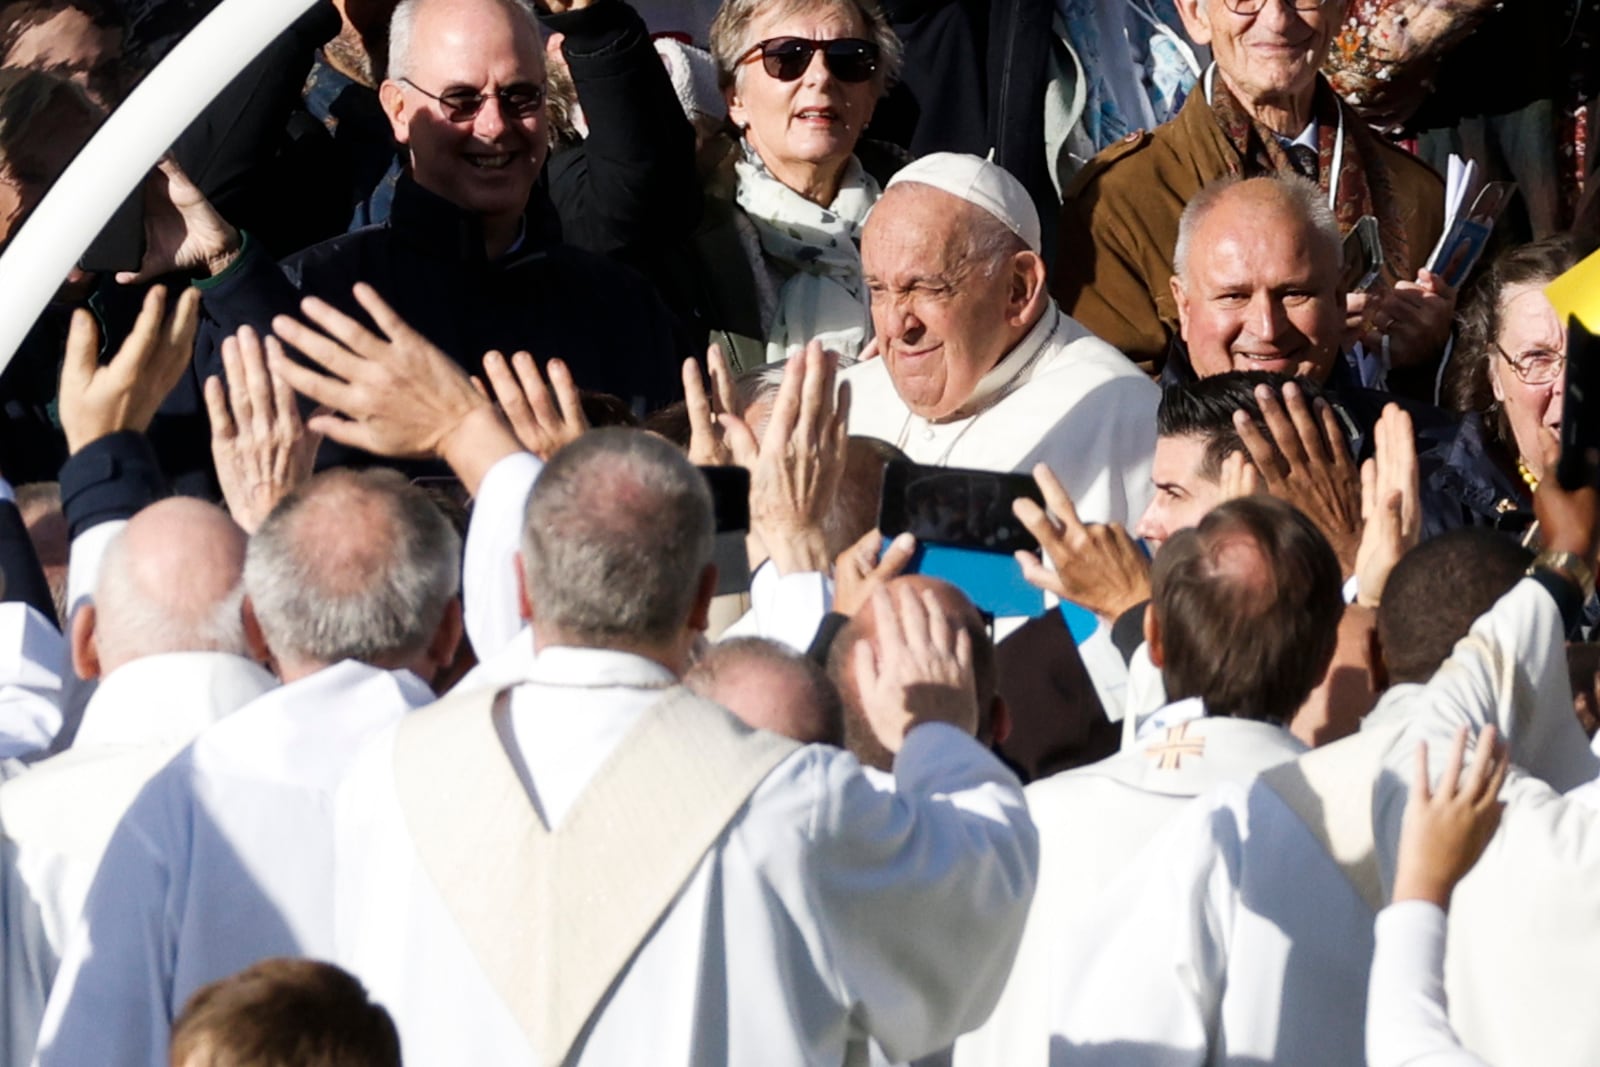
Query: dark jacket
[[1464, 483], [973, 81], [631, 183], [428, 262]]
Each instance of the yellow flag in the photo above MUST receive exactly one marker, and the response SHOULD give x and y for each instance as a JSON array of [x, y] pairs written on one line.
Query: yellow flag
[[1577, 292]]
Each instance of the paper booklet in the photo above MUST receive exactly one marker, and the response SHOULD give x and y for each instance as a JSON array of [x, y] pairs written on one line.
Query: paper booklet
[[1466, 233]]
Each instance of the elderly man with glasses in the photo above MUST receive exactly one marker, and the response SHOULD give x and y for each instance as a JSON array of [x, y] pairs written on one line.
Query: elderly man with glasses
[[1261, 107], [471, 253]]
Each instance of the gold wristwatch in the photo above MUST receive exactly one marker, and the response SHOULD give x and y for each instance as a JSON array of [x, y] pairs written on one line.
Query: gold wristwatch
[[1571, 566]]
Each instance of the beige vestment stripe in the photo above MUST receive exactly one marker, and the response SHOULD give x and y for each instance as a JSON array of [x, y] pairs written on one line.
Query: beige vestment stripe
[[1331, 790], [554, 917]]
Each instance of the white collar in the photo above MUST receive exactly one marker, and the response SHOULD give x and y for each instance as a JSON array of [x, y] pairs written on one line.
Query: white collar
[[168, 698], [597, 668], [1179, 711], [1307, 137], [1006, 375]]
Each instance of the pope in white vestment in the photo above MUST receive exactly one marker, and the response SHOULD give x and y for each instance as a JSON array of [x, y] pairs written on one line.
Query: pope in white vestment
[[55, 821], [225, 858], [1244, 933], [835, 906], [1061, 397], [1092, 822]]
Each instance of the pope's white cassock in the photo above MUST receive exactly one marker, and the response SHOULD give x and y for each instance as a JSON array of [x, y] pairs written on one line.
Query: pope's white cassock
[[224, 858], [57, 819], [1062, 397], [830, 905], [1243, 934], [1092, 822]]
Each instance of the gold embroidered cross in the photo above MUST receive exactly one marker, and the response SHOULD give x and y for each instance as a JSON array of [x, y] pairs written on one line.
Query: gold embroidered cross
[[1169, 755]]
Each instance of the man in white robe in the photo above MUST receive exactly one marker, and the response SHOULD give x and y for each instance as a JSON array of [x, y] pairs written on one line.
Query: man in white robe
[[812, 908], [225, 857], [165, 638], [1244, 931], [976, 366], [1243, 622]]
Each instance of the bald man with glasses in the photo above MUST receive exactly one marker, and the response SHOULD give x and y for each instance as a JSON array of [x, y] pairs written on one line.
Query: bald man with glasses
[[473, 251]]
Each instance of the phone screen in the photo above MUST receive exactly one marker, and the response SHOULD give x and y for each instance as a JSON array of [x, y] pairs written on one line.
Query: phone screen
[[962, 508]]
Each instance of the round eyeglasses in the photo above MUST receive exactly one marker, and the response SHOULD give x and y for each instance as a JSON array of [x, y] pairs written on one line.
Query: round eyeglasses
[[849, 59], [1539, 366]]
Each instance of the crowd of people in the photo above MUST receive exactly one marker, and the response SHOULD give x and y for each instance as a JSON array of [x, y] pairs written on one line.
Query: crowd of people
[[450, 612]]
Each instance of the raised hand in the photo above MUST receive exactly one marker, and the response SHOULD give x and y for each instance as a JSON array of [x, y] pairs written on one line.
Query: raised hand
[[124, 394], [1238, 477], [396, 394], [1096, 566], [1307, 463], [182, 231], [795, 473], [1445, 830], [920, 670], [864, 567], [542, 425], [1416, 317], [714, 418], [1390, 509], [260, 447]]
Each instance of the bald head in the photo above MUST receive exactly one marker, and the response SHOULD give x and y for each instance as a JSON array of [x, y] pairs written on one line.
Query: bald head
[[1256, 278], [859, 736], [170, 582], [770, 687]]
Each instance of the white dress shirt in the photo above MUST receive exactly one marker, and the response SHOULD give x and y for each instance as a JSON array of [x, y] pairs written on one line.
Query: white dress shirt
[[225, 858], [836, 906]]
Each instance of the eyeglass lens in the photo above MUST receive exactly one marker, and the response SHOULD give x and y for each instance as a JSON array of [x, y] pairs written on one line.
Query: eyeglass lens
[[848, 58], [1537, 367], [1253, 7], [460, 105]]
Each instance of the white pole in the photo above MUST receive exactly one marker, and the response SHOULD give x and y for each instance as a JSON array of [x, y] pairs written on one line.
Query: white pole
[[124, 149]]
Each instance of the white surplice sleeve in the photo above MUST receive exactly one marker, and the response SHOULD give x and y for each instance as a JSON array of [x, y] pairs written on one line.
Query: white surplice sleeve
[[915, 889], [111, 1002], [1407, 1023], [488, 576], [786, 608], [33, 663]]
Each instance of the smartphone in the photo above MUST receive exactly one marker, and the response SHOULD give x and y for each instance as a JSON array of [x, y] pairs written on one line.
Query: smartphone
[[965, 531], [1579, 465], [955, 507], [730, 505], [119, 246], [1363, 256]]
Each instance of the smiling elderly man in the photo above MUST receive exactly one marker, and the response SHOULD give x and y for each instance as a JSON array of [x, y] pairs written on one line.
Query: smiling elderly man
[[1261, 108], [977, 366]]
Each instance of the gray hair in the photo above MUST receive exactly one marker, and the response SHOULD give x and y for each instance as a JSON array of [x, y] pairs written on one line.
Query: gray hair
[[1299, 194], [730, 33], [352, 565], [617, 532], [403, 25], [132, 621]]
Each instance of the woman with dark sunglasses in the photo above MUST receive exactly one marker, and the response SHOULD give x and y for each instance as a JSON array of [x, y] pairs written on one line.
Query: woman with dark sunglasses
[[802, 78]]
